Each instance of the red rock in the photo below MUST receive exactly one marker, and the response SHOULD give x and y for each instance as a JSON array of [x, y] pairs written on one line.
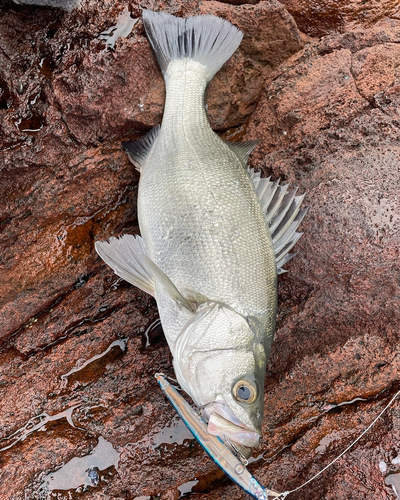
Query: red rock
[[270, 37], [328, 122], [321, 17], [85, 82], [68, 184]]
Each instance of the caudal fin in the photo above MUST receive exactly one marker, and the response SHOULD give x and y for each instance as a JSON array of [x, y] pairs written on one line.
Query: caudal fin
[[207, 39]]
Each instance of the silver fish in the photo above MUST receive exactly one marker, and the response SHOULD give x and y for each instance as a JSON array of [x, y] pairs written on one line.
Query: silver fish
[[214, 235]]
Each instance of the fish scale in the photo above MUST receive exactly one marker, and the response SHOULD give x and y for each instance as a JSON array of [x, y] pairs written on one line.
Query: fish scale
[[210, 237]]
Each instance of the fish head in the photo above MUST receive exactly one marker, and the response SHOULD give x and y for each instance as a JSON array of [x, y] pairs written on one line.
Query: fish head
[[220, 363]]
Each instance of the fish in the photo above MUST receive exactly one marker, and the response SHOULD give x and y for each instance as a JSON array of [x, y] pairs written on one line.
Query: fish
[[214, 235]]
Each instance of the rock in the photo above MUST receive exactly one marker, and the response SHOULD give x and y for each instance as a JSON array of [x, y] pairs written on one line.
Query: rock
[[328, 123], [69, 94], [63, 100], [61, 4], [86, 79], [270, 37], [322, 17]]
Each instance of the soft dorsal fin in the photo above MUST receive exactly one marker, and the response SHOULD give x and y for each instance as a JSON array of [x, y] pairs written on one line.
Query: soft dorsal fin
[[242, 149], [127, 256], [283, 215], [139, 150]]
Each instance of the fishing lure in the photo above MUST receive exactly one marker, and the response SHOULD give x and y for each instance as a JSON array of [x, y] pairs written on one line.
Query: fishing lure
[[215, 448]]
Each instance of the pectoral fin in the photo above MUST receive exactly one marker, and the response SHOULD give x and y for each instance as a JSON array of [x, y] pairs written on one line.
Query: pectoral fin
[[283, 215], [127, 256]]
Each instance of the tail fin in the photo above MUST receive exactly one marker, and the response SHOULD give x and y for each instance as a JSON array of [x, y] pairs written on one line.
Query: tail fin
[[207, 39]]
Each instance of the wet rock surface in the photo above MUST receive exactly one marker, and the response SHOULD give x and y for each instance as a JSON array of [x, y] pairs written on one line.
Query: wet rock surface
[[76, 359], [329, 124], [321, 17]]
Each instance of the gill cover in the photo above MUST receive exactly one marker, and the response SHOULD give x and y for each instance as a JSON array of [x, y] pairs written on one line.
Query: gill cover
[[216, 350]]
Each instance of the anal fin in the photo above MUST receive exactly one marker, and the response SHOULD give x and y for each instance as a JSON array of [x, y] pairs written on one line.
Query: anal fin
[[139, 150]]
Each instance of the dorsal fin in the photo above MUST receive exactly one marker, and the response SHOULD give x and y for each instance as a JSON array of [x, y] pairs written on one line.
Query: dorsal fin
[[283, 215], [139, 150], [242, 149]]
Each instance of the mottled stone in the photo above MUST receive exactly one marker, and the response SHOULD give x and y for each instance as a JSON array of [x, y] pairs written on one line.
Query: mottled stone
[[269, 37], [321, 17], [329, 123]]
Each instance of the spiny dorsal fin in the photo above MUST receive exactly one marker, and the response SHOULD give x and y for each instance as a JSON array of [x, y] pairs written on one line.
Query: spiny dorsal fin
[[127, 256], [242, 149], [283, 214], [139, 150]]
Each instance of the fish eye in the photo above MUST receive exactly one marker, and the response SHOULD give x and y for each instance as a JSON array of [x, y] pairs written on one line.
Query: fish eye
[[245, 391]]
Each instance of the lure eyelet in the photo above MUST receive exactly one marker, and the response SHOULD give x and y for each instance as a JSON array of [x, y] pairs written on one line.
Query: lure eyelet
[[245, 391]]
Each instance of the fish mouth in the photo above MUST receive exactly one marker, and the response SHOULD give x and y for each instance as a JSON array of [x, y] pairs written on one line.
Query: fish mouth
[[224, 424]]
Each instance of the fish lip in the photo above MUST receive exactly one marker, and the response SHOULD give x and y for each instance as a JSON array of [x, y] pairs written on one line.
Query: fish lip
[[250, 436]]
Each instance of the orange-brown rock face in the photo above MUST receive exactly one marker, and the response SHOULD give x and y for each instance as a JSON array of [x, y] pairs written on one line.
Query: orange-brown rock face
[[81, 415], [328, 123], [321, 17]]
